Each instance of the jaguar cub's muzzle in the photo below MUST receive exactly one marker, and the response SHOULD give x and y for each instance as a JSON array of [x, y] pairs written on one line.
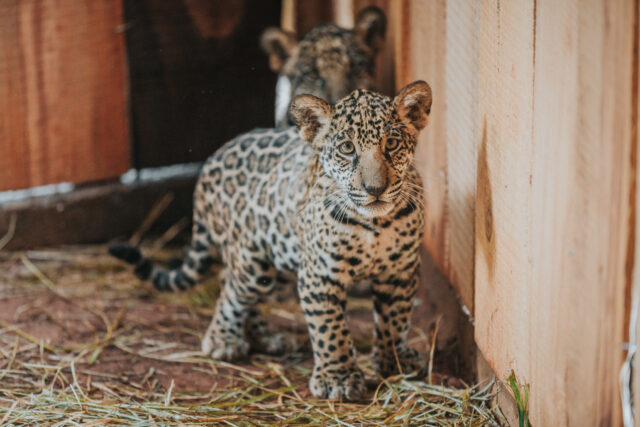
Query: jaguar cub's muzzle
[[375, 180]]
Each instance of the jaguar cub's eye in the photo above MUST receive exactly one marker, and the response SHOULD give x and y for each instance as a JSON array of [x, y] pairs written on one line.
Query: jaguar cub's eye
[[347, 148], [391, 144]]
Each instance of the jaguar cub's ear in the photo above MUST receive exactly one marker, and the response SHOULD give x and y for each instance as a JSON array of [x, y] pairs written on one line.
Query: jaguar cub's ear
[[371, 27], [279, 45], [413, 104], [312, 116]]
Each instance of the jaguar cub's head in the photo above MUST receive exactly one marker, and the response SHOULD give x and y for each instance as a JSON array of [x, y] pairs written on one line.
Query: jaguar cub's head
[[365, 143], [328, 62]]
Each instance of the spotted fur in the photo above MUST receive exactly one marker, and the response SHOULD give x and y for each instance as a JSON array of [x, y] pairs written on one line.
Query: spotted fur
[[328, 61], [340, 205]]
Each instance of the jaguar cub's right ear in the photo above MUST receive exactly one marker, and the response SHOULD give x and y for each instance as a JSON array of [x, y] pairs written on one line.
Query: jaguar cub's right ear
[[279, 45], [312, 116]]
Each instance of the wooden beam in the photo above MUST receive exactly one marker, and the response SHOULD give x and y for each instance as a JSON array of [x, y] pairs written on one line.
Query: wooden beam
[[96, 213], [62, 92], [299, 16], [631, 407]]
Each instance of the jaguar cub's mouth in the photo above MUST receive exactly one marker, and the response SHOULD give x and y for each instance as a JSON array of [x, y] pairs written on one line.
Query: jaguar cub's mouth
[[377, 204], [374, 208]]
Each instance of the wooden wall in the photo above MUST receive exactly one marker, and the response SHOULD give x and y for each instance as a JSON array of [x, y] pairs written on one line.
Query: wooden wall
[[62, 92], [529, 165]]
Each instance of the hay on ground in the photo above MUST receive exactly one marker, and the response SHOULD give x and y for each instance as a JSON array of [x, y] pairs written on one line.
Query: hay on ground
[[82, 342]]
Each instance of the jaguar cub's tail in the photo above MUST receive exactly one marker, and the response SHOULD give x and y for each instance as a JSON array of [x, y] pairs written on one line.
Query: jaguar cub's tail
[[197, 262]]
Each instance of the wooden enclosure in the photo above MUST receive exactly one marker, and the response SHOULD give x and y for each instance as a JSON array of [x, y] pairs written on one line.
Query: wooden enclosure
[[529, 161]]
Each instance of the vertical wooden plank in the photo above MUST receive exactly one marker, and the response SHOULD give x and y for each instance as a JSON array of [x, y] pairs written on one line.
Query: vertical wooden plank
[[633, 391], [343, 13], [585, 183], [462, 136], [62, 92], [556, 201], [555, 172], [288, 15], [505, 94]]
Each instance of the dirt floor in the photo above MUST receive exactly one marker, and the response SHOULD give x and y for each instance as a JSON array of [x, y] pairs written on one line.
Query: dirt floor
[[78, 329]]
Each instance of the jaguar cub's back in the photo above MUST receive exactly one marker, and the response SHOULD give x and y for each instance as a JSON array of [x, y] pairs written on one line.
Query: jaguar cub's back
[[249, 191]]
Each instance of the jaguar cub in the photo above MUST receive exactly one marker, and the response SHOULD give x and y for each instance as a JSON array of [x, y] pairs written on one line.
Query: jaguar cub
[[335, 203], [328, 61]]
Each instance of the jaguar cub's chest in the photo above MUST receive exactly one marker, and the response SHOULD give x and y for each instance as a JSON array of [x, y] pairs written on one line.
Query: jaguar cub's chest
[[356, 250]]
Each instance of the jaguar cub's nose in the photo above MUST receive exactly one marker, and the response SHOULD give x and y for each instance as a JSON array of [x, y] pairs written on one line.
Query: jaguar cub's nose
[[373, 172], [375, 190]]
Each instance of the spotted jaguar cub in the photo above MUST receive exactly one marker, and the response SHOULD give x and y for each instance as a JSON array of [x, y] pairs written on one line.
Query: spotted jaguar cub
[[335, 203], [328, 61]]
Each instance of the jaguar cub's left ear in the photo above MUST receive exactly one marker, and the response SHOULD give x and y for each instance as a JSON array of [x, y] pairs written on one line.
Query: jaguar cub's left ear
[[312, 116], [413, 104]]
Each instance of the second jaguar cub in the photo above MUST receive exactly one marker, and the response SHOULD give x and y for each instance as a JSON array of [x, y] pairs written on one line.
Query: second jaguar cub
[[335, 203]]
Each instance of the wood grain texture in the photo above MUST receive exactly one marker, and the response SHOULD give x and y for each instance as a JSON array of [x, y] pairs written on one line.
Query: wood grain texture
[[62, 92], [554, 180]]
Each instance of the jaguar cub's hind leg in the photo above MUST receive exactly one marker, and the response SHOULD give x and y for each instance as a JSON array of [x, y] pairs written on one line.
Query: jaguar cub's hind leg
[[237, 325], [225, 338], [265, 339]]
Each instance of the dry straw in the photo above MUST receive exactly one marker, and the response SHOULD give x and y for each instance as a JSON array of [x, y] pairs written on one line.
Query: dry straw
[[65, 381]]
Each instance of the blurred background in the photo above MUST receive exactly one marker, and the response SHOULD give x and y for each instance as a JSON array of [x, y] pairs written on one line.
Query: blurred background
[[530, 161]]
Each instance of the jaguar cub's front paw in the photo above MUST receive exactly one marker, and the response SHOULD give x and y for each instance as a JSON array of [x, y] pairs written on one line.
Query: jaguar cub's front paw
[[227, 350], [338, 383], [408, 360]]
